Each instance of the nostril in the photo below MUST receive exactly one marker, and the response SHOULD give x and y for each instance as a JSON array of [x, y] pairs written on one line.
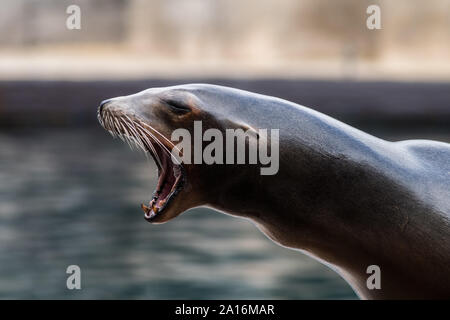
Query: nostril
[[102, 105]]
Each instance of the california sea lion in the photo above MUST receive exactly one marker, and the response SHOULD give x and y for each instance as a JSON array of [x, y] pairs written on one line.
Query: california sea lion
[[343, 196]]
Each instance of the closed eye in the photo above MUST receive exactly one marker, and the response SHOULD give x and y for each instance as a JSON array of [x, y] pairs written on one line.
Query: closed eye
[[177, 106]]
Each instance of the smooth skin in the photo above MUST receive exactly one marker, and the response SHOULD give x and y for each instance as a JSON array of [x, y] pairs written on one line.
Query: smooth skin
[[345, 197]]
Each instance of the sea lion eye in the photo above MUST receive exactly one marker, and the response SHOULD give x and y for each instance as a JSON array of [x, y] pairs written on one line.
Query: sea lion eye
[[178, 106]]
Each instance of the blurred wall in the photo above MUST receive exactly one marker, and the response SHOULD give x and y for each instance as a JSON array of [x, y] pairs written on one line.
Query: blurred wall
[[31, 23], [267, 32]]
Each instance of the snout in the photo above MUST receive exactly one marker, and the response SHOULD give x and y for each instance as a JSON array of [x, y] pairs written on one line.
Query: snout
[[131, 105]]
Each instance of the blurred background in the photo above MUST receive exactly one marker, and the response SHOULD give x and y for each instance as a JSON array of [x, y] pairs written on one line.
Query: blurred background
[[69, 194]]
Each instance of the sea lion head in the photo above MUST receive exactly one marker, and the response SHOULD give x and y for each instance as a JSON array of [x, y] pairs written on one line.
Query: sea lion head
[[149, 118]]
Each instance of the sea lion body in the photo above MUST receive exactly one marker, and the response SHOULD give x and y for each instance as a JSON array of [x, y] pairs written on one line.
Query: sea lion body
[[341, 195]]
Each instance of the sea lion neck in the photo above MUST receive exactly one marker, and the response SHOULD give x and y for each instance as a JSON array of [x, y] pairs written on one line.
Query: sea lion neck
[[316, 204]]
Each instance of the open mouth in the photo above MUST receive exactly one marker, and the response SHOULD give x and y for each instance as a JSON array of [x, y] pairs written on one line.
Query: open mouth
[[171, 175], [170, 182]]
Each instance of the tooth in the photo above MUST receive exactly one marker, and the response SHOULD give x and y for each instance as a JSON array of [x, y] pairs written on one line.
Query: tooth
[[152, 203], [161, 204], [149, 212], [145, 208]]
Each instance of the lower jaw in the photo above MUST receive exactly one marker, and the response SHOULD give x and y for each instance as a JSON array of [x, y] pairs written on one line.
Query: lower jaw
[[157, 219], [162, 216], [153, 213]]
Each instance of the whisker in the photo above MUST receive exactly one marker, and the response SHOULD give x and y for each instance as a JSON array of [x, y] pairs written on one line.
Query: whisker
[[134, 135], [148, 142], [158, 142], [137, 133], [136, 125], [127, 134], [160, 134]]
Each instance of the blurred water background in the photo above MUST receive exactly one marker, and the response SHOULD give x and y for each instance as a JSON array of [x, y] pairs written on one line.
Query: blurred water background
[[70, 195]]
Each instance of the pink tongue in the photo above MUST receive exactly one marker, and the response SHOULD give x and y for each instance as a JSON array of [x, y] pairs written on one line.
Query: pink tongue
[[165, 191]]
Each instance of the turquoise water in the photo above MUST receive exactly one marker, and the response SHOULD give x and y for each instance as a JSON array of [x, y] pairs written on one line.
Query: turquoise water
[[72, 197]]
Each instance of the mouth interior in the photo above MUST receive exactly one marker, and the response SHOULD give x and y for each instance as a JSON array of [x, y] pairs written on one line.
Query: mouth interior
[[170, 175], [170, 178]]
